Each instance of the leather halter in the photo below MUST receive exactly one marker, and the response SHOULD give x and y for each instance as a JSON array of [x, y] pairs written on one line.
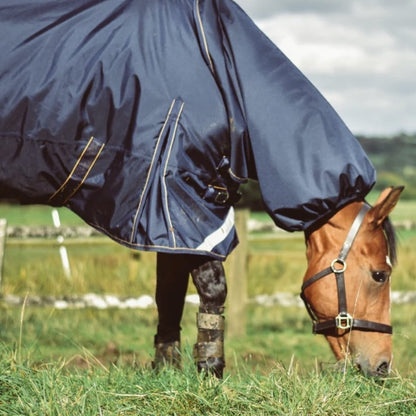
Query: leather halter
[[343, 320]]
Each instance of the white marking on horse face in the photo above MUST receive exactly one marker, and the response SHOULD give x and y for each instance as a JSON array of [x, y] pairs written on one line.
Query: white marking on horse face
[[388, 261]]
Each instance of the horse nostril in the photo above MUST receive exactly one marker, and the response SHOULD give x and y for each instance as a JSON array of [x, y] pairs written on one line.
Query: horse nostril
[[383, 369]]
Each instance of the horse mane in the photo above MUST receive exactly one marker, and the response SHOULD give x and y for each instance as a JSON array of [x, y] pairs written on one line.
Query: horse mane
[[390, 234]]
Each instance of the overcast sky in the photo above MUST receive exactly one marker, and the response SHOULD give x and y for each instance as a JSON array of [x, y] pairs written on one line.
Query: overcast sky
[[361, 54]]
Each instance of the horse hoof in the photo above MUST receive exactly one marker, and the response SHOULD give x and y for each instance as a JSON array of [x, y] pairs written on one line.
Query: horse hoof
[[167, 353], [212, 365]]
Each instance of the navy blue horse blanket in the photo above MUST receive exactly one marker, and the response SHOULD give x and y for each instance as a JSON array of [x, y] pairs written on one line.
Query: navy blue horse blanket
[[144, 116]]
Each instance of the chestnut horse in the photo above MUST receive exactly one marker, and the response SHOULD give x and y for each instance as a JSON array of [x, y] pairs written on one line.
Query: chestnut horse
[[144, 117], [352, 310]]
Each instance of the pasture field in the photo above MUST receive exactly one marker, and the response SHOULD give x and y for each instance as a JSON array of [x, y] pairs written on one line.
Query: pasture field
[[97, 362], [53, 390]]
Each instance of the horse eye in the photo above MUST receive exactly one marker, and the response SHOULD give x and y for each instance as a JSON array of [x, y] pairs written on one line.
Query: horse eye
[[380, 276]]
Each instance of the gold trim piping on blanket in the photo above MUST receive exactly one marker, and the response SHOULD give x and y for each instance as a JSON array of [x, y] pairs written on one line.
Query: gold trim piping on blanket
[[150, 171], [81, 169], [204, 38]]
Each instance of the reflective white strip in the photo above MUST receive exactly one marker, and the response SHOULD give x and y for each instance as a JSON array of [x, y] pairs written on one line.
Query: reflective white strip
[[219, 235]]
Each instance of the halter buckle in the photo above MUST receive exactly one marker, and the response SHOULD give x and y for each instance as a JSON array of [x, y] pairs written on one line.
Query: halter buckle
[[344, 320]]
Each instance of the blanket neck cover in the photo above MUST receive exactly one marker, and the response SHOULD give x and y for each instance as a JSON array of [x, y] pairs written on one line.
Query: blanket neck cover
[[144, 116]]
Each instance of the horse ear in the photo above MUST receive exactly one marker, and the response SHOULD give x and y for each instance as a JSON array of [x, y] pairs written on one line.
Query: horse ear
[[384, 205]]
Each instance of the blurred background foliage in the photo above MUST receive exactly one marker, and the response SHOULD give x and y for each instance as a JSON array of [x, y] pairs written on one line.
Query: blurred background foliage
[[394, 159]]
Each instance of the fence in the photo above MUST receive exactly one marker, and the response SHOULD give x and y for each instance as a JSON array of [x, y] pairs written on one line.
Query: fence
[[236, 276]]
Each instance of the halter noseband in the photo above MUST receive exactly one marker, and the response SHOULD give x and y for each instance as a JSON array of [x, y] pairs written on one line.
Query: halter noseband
[[343, 320]]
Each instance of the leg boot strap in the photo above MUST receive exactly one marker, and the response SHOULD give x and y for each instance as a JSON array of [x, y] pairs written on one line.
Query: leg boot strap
[[210, 321], [206, 350]]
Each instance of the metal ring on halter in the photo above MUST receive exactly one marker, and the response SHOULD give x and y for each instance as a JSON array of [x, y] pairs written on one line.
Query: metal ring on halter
[[344, 320], [343, 263]]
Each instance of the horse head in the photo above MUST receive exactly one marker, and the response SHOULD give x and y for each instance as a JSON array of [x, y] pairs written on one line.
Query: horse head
[[347, 284]]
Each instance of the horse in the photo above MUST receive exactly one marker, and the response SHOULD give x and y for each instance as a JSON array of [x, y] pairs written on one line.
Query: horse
[[145, 116], [352, 310]]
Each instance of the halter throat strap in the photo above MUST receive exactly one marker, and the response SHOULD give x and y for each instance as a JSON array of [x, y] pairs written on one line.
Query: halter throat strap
[[338, 266]]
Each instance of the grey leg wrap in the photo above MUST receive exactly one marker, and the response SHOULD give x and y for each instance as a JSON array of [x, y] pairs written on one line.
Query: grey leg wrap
[[167, 353], [209, 349]]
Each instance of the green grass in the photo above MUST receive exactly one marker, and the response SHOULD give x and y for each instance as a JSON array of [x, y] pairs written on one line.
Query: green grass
[[99, 266], [36, 215], [60, 363], [274, 265], [274, 335], [92, 362], [65, 363], [97, 362], [52, 390]]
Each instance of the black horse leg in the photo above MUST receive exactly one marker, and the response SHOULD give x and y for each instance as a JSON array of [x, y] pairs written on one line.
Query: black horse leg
[[171, 284], [172, 281], [209, 278]]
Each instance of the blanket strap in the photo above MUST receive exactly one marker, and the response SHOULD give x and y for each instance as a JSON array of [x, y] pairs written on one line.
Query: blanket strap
[[223, 190]]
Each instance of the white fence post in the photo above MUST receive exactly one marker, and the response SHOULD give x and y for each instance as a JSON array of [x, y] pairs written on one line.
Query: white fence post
[[62, 249]]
